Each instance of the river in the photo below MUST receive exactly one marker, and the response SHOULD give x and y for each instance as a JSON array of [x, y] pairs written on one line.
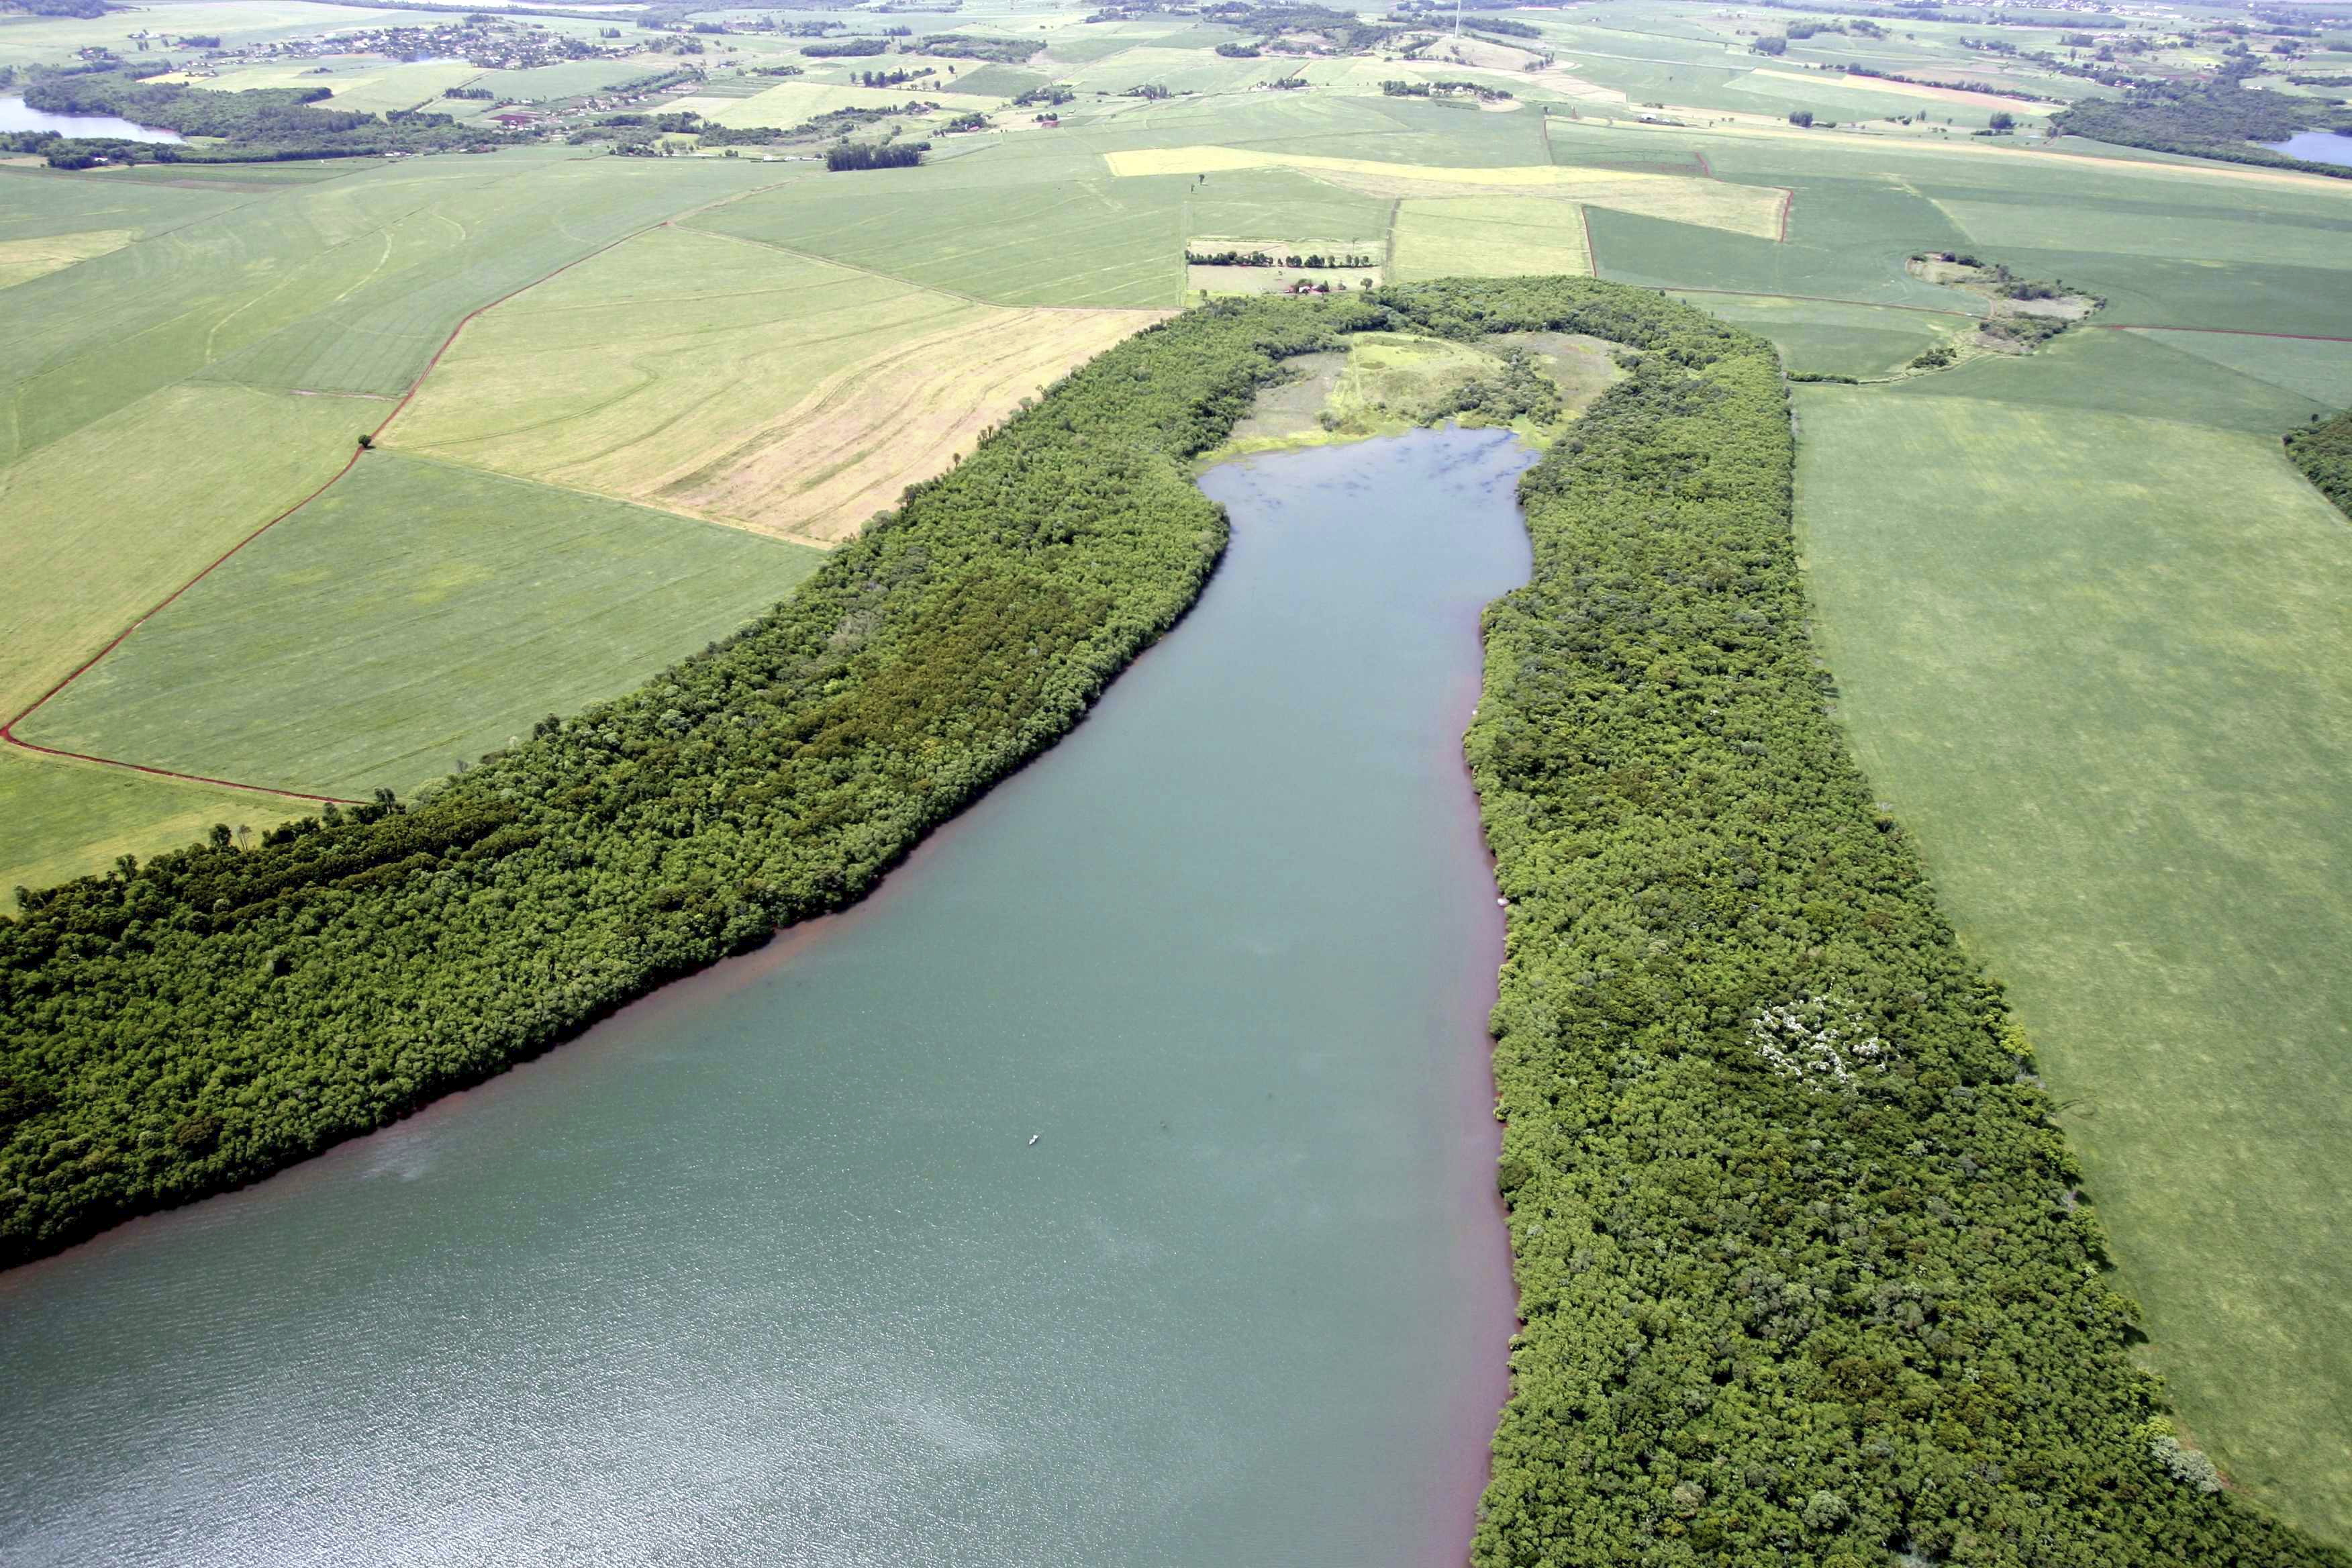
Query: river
[[768, 1270], [16, 116]]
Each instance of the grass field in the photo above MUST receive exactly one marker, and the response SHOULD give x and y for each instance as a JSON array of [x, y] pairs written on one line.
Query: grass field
[[2098, 662], [1488, 236], [736, 380], [416, 616]]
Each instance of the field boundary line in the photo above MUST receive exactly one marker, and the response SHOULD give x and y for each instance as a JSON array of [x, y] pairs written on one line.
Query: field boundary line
[[8, 731], [2226, 332], [1834, 299]]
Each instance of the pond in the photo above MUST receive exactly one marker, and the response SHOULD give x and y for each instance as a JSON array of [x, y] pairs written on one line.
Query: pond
[[2315, 146], [1114, 1187], [16, 116]]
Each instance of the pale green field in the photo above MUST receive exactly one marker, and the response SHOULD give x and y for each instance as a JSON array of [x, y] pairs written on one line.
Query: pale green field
[[1488, 236], [2098, 661], [414, 617]]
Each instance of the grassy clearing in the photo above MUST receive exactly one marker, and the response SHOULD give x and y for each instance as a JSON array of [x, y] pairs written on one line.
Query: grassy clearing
[[61, 820], [2099, 663], [416, 616], [106, 522], [1489, 237], [727, 378]]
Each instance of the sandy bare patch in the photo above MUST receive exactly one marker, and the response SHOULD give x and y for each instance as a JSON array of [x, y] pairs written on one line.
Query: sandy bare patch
[[823, 467]]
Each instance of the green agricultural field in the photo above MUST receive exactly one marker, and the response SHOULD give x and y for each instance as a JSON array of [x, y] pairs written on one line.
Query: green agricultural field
[[1093, 240], [107, 521], [50, 40], [722, 376], [2098, 660], [416, 616], [1488, 236], [1830, 338], [64, 820]]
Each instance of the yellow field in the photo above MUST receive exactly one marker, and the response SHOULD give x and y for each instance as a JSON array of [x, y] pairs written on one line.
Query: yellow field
[[794, 101], [1489, 237], [24, 260], [106, 521], [738, 382], [1715, 203]]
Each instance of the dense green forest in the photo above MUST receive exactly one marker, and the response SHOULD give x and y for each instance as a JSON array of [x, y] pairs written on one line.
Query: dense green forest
[[1804, 1274], [2323, 452]]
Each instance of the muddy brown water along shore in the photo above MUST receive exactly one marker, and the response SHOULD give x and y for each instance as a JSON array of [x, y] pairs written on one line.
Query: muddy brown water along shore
[[768, 1269]]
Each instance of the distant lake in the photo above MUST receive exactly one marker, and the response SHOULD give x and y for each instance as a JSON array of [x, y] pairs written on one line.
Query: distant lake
[[16, 116], [2316, 146]]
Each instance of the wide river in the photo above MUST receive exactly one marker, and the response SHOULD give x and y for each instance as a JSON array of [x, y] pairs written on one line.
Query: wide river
[[770, 1269]]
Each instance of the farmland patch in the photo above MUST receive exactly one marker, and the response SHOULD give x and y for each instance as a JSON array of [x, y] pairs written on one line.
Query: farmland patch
[[410, 619], [728, 378]]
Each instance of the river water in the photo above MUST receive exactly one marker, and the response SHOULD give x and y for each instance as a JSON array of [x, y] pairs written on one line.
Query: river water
[[16, 116], [767, 1269]]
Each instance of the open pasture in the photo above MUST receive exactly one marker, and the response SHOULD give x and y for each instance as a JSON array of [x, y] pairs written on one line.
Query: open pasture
[[726, 377], [2097, 660], [415, 617], [1488, 236]]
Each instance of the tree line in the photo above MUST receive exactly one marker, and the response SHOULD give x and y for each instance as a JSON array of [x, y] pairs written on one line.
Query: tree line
[[2324, 453]]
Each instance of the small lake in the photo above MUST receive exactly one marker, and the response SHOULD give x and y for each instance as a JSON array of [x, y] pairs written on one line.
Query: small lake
[[769, 1269], [16, 116], [2316, 146]]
